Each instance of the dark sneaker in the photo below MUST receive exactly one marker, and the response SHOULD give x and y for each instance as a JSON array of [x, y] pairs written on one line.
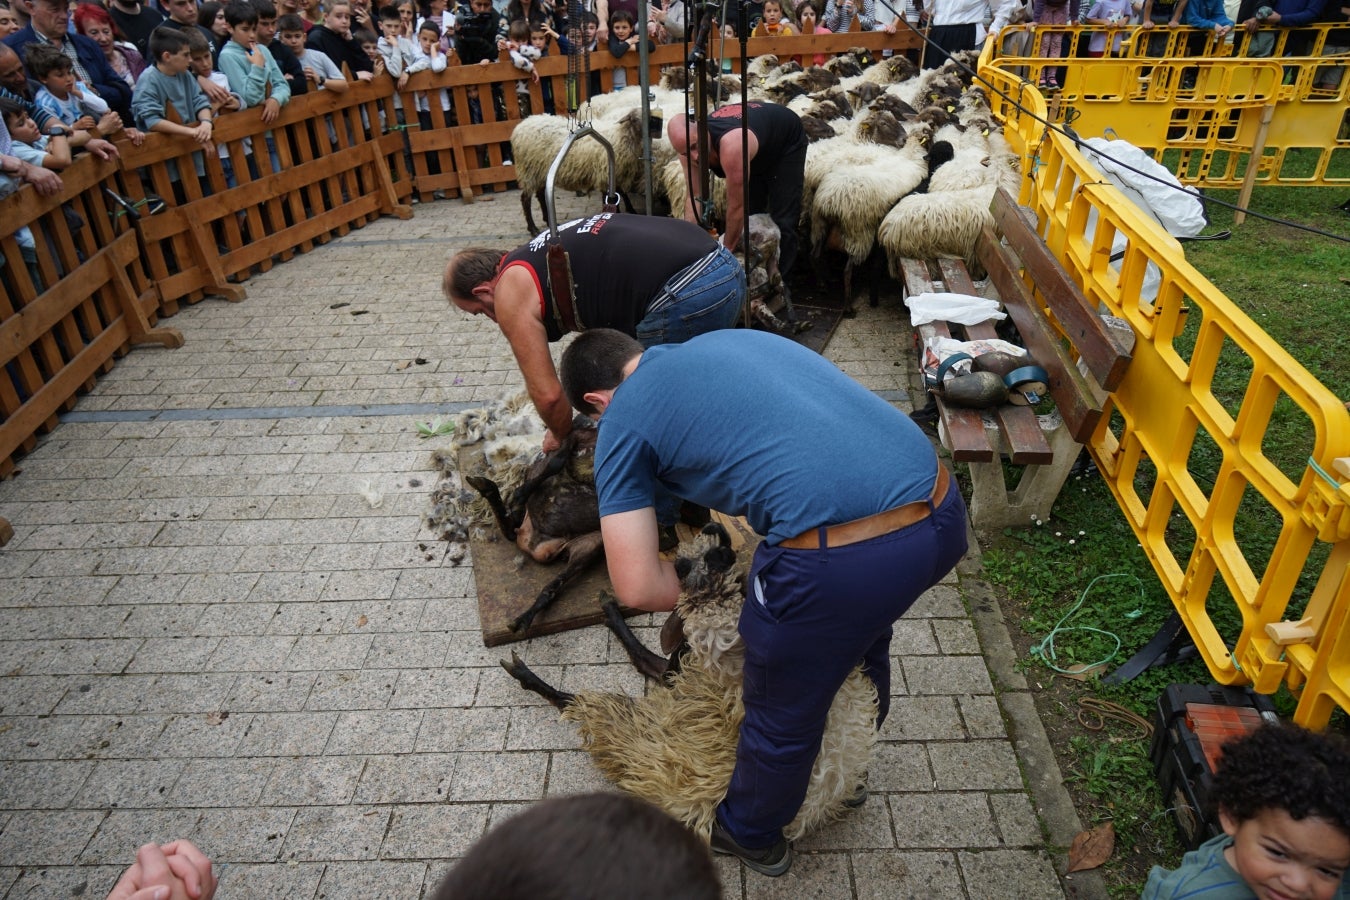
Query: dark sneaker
[[772, 861]]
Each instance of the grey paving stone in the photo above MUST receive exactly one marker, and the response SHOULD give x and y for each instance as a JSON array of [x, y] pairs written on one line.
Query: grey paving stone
[[187, 693], [448, 730], [391, 616], [297, 881], [907, 875], [30, 695], [1016, 820], [942, 821], [434, 831], [942, 601], [923, 718], [913, 636], [121, 831], [63, 881], [947, 675], [217, 584], [386, 731], [820, 875], [430, 689], [173, 654], [1015, 874], [481, 777], [408, 651], [244, 834], [287, 734], [104, 656], [203, 734], [541, 728], [322, 781], [308, 618], [250, 654], [329, 651], [574, 772], [138, 589], [975, 765], [80, 737], [226, 619], [374, 585], [956, 636], [288, 588], [130, 783], [364, 880], [270, 692], [368, 689], [221, 782], [41, 785], [415, 778], [865, 828], [982, 716], [435, 584], [336, 833], [67, 622], [900, 767], [107, 695]]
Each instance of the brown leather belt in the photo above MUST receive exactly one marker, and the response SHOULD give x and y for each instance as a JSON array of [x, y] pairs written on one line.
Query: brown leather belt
[[876, 525]]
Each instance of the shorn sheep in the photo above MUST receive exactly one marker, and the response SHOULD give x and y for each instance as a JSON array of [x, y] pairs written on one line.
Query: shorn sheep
[[676, 747]]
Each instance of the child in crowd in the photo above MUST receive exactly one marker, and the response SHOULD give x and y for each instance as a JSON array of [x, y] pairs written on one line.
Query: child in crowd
[[523, 53], [808, 18], [290, 67], [370, 46], [9, 23], [623, 37], [29, 144], [250, 69], [540, 36], [335, 40], [1283, 797], [1053, 12], [400, 55], [589, 27], [1114, 13], [429, 42], [320, 71], [202, 66], [63, 96], [169, 82], [773, 24]]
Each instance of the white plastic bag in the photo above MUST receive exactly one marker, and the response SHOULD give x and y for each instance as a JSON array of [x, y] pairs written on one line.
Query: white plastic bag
[[963, 309]]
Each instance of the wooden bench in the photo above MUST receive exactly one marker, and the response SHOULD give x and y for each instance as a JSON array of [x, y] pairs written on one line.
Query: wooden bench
[[1064, 334]]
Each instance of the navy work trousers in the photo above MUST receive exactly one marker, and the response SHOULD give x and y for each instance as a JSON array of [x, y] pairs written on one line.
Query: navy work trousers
[[823, 612]]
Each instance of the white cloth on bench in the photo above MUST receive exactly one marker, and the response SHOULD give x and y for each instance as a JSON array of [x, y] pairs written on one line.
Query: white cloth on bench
[[963, 309]]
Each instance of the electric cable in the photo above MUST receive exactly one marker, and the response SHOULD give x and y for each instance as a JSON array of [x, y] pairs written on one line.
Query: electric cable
[[1073, 136]]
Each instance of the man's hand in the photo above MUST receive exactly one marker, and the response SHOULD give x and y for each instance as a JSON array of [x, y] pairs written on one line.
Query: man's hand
[[103, 149], [173, 870], [44, 181], [214, 92], [270, 110], [551, 443]]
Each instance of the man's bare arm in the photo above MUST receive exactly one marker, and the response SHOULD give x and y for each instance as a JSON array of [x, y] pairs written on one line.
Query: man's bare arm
[[517, 309], [641, 578]]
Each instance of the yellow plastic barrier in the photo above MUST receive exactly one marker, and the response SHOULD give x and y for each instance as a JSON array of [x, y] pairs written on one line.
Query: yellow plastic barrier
[[1205, 108], [1184, 444]]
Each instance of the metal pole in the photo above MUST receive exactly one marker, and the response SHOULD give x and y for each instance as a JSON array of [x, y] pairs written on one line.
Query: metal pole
[[644, 85]]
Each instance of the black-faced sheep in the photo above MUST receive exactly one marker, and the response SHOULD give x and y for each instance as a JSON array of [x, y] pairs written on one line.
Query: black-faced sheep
[[676, 747]]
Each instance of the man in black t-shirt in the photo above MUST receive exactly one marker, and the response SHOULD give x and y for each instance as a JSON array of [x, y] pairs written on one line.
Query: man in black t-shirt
[[657, 279], [775, 164], [135, 22]]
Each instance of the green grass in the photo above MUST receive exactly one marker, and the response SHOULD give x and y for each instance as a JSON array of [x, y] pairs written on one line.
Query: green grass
[[1291, 284]]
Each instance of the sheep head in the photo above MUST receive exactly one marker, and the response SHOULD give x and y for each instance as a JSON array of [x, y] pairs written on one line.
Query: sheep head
[[881, 127], [894, 105], [866, 91], [712, 592], [845, 65], [816, 128]]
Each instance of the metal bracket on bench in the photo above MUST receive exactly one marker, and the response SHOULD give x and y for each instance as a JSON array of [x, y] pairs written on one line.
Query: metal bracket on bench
[[1171, 644]]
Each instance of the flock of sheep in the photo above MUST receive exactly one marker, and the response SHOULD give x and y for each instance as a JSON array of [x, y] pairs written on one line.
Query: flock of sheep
[[901, 161]]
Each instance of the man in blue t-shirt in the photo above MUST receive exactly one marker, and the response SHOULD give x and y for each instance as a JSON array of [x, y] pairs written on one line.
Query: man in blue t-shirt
[[858, 515]]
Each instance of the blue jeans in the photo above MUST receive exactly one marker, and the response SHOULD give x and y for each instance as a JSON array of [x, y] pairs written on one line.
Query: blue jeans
[[824, 612], [711, 301]]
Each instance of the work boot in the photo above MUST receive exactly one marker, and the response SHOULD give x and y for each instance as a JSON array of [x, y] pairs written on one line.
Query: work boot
[[772, 861]]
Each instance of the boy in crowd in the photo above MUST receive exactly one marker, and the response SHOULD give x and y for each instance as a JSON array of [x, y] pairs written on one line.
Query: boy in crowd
[[400, 56], [249, 68], [1283, 800], [29, 144], [429, 42], [63, 96], [202, 67], [335, 40], [523, 53], [169, 82], [320, 71], [623, 37], [540, 35], [290, 67]]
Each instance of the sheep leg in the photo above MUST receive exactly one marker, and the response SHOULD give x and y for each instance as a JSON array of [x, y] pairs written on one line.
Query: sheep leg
[[517, 669], [553, 464], [526, 206], [488, 488], [582, 553], [849, 310], [645, 661]]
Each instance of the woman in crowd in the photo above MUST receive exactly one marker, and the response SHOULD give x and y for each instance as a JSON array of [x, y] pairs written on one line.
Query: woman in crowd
[[93, 22]]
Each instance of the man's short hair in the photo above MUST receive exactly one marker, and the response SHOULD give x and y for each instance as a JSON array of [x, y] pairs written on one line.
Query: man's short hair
[[588, 845], [595, 361], [290, 22], [42, 60], [240, 12], [469, 269], [266, 9], [197, 43], [166, 39]]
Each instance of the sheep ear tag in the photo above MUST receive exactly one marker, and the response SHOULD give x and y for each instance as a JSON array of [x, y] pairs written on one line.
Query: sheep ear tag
[[672, 633]]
